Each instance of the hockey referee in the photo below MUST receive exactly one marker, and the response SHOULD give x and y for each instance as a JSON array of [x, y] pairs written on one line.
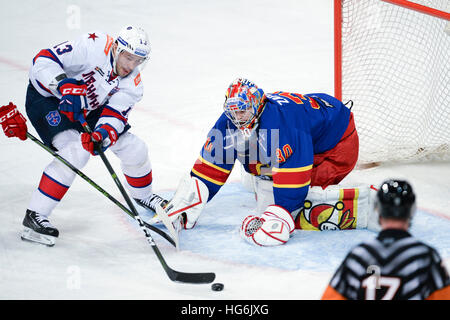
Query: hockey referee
[[395, 265]]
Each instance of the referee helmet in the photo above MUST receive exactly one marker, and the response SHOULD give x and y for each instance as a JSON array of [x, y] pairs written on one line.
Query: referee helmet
[[396, 200]]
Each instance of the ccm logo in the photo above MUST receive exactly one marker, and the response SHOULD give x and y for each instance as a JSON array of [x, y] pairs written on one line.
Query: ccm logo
[[74, 91], [8, 115], [112, 133]]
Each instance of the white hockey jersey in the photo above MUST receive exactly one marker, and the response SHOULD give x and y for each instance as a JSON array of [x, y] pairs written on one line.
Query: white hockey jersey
[[89, 58]]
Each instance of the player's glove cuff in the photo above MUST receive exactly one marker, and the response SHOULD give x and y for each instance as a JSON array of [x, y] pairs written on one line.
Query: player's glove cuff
[[104, 136]]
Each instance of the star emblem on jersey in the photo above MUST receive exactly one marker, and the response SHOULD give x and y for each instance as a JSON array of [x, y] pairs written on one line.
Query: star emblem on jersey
[[92, 36]]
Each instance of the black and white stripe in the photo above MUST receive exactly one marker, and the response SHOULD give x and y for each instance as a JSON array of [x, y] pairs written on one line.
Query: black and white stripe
[[404, 267]]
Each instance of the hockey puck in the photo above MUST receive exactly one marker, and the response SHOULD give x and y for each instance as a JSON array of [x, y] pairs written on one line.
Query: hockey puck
[[217, 286]]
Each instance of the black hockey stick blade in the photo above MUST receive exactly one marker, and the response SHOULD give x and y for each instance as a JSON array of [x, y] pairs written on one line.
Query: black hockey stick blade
[[184, 277], [195, 278]]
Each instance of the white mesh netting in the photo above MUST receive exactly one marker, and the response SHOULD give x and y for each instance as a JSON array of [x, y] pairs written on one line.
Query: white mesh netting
[[396, 69]]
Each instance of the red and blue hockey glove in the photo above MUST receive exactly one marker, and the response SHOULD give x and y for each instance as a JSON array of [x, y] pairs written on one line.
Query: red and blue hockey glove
[[73, 99], [13, 123], [104, 136]]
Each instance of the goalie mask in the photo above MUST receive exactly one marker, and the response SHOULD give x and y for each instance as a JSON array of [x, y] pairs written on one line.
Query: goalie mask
[[133, 40], [243, 104]]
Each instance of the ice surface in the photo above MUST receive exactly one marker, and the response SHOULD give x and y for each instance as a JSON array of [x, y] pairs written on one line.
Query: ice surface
[[199, 47]]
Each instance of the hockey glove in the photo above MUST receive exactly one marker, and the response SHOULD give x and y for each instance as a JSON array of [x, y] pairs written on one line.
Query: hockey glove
[[104, 137], [73, 99], [13, 123], [273, 228]]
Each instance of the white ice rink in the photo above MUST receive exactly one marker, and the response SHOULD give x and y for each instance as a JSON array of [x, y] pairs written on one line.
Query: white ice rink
[[199, 47]]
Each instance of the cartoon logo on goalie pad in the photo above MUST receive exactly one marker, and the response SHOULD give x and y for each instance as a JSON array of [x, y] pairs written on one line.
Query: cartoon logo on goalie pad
[[325, 216]]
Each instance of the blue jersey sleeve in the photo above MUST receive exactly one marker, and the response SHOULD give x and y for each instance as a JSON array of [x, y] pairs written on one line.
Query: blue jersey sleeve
[[216, 161]]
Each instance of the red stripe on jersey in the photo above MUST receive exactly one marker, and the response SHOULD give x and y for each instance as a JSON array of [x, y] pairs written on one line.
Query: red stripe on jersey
[[255, 168], [291, 178], [52, 188], [109, 112], [45, 53], [210, 172], [140, 182]]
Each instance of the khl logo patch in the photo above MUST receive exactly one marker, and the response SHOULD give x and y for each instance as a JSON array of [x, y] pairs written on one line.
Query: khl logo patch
[[53, 118]]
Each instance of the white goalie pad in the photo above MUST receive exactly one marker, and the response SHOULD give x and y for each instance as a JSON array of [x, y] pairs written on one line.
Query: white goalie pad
[[264, 194], [248, 180], [337, 207]]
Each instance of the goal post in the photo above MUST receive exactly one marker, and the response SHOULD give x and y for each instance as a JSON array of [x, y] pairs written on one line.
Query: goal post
[[392, 58]]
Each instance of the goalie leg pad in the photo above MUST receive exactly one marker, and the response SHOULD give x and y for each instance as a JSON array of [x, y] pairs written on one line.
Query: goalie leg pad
[[248, 180], [264, 194], [337, 208]]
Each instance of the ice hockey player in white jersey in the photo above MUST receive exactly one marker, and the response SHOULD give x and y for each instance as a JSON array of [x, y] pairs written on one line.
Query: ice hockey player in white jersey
[[96, 79]]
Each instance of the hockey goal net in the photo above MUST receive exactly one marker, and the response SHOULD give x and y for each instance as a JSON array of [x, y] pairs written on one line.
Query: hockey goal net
[[392, 58]]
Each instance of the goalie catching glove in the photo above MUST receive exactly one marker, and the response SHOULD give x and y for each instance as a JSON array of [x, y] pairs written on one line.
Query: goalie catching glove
[[273, 228]]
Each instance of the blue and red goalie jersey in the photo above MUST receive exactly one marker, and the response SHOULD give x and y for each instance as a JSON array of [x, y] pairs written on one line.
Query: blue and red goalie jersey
[[292, 129]]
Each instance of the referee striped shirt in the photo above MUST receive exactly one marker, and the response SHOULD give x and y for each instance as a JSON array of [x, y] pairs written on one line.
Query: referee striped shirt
[[393, 266]]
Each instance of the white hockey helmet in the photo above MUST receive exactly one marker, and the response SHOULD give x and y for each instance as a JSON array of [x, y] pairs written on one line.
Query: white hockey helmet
[[135, 41]]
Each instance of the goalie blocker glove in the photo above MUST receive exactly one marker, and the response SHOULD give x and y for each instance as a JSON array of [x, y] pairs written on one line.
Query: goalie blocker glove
[[188, 202], [273, 228]]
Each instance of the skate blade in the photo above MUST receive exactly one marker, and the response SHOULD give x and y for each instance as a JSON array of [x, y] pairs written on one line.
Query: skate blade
[[32, 236]]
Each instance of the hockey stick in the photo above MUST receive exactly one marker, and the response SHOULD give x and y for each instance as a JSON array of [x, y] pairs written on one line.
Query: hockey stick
[[96, 186], [201, 277]]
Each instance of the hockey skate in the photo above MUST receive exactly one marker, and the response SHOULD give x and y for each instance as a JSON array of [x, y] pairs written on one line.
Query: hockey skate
[[38, 229], [150, 203]]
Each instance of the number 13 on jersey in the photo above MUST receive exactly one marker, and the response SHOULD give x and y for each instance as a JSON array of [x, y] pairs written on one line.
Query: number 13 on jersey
[[62, 48]]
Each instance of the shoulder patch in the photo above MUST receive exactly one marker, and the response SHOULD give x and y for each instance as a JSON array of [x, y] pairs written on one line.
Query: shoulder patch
[[109, 42]]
